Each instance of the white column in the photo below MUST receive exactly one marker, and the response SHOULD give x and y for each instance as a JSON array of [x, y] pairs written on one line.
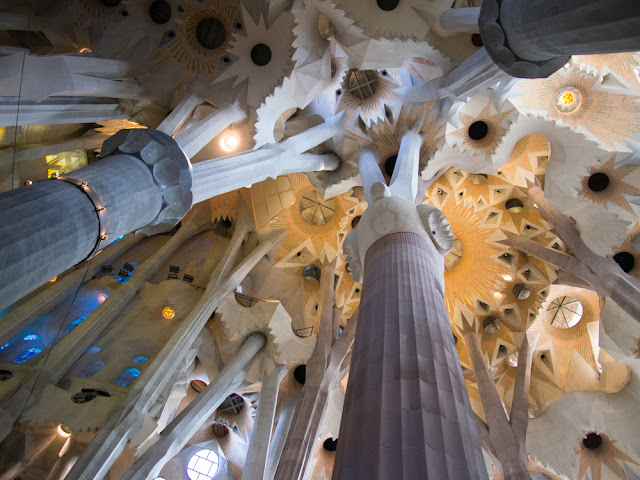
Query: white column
[[103, 451], [370, 172], [461, 20], [285, 416], [255, 465], [404, 182], [184, 426], [199, 135]]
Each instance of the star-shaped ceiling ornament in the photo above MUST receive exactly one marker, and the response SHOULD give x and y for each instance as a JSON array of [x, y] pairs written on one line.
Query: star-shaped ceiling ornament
[[597, 450], [261, 56]]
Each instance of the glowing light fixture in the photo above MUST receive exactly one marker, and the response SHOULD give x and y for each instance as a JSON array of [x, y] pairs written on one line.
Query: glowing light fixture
[[567, 65], [53, 279], [568, 100], [102, 297], [64, 431], [508, 278], [498, 295], [85, 50], [229, 142], [168, 313]]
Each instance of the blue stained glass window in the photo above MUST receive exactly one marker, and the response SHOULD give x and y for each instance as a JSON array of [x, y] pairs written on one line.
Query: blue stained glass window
[[126, 377], [93, 349], [31, 337], [30, 352], [92, 369], [140, 359], [75, 323]]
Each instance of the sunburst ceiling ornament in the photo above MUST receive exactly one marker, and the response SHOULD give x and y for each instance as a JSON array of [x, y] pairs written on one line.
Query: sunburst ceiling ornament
[[366, 93], [564, 312], [606, 183], [598, 449], [568, 100], [609, 117], [186, 48], [262, 56]]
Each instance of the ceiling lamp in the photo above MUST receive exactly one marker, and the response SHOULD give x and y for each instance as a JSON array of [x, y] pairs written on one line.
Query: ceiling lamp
[[229, 142], [102, 297], [64, 431], [568, 100], [168, 313]]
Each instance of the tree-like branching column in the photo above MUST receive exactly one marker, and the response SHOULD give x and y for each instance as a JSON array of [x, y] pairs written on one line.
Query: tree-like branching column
[[406, 414], [601, 274], [324, 371], [504, 438]]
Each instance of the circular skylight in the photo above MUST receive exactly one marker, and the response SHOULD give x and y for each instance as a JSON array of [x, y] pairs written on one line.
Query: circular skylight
[[203, 465], [564, 312]]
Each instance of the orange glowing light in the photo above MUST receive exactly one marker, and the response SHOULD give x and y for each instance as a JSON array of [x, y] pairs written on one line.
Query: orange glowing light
[[64, 431], [54, 279], [229, 142], [168, 313], [568, 98], [102, 297]]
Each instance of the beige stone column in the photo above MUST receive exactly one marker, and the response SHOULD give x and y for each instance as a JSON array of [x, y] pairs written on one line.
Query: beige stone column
[[506, 437], [255, 465], [285, 416], [323, 373]]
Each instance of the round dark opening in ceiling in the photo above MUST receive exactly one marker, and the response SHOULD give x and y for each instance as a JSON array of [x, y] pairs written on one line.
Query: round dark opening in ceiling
[[160, 12], [592, 441], [478, 130], [261, 54], [491, 324], [110, 3], [5, 375], [330, 445], [598, 182], [210, 33], [521, 291], [625, 260], [355, 221], [300, 374], [390, 164], [233, 404], [514, 205], [476, 39], [388, 5]]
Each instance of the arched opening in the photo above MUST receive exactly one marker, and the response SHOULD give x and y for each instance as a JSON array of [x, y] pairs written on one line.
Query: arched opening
[[388, 5], [514, 205], [330, 445], [160, 12], [300, 374], [592, 441]]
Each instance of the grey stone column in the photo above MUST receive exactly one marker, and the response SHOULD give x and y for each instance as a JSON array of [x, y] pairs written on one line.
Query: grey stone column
[[533, 38], [143, 181], [406, 413], [35, 307]]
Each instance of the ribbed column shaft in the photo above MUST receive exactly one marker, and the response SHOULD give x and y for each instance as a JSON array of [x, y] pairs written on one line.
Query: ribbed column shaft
[[406, 413], [543, 29], [184, 426], [50, 226], [255, 465]]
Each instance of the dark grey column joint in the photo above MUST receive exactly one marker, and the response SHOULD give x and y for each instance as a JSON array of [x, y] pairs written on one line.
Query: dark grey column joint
[[495, 42]]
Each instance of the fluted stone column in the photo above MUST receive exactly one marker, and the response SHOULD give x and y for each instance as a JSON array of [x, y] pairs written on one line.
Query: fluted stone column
[[533, 38], [143, 181], [406, 413], [176, 435], [285, 416], [255, 465]]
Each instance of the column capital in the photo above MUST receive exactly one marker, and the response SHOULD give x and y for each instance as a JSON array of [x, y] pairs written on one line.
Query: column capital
[[170, 167]]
